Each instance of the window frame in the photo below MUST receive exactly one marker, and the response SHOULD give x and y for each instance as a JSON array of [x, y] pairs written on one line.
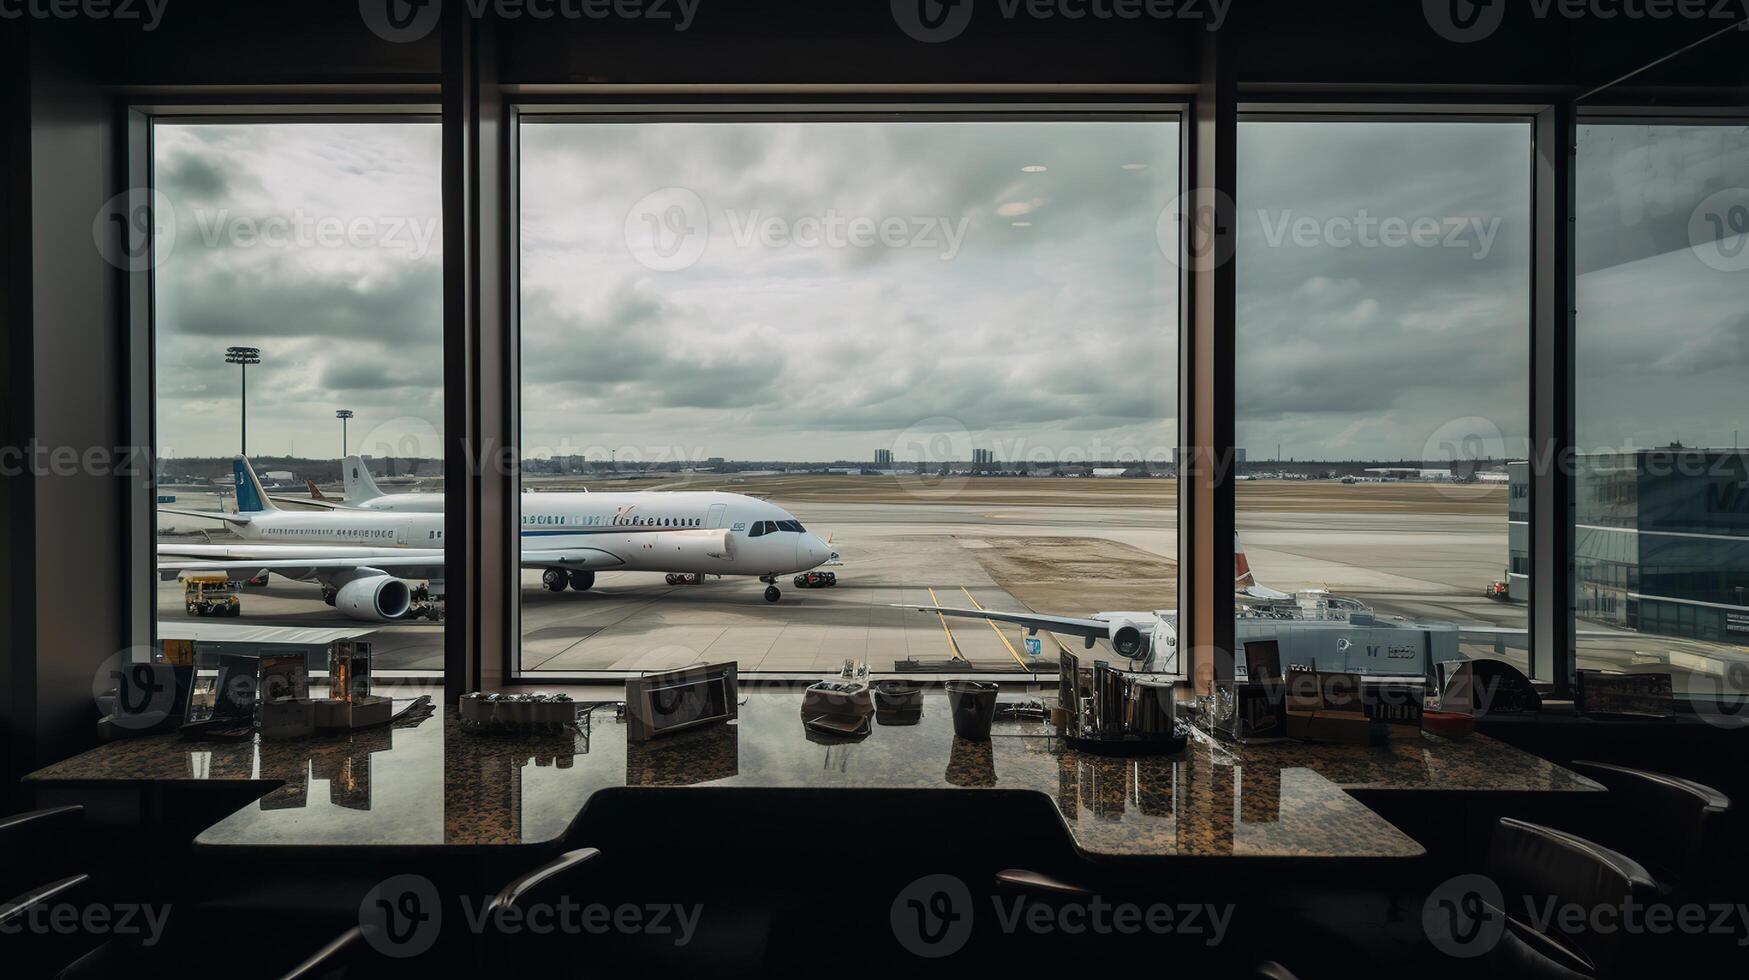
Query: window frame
[[731, 105], [1314, 109], [141, 115]]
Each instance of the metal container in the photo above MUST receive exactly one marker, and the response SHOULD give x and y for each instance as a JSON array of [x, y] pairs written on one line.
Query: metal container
[[1110, 700], [1153, 712], [1068, 697]]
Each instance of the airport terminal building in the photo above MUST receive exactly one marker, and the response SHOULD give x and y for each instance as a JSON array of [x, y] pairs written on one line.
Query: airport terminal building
[[1661, 541]]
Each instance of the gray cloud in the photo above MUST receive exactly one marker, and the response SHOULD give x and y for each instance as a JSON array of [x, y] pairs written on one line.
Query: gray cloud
[[1061, 334]]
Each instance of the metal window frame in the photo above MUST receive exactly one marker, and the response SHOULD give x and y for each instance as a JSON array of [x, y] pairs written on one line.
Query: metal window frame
[[139, 113], [849, 104], [1547, 664]]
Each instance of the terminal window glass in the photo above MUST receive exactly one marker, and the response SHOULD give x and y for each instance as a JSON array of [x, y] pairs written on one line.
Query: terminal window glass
[[299, 275], [1383, 387], [1661, 536], [920, 360]]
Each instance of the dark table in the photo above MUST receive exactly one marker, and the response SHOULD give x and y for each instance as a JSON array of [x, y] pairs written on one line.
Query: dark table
[[432, 784]]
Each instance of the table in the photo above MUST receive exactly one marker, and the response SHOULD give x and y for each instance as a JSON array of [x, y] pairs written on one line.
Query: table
[[432, 784]]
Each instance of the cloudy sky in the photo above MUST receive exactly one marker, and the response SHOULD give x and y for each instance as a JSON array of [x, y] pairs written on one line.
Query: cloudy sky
[[820, 291]]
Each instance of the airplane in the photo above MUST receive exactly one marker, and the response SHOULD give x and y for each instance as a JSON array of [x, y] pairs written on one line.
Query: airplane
[[362, 493], [1311, 627], [364, 559]]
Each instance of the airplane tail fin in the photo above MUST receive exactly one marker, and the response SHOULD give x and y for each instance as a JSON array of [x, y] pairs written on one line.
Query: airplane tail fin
[[315, 493], [251, 499], [359, 485], [1244, 582], [1242, 577]]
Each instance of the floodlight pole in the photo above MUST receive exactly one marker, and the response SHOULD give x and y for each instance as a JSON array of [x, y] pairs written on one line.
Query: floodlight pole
[[343, 415], [243, 357]]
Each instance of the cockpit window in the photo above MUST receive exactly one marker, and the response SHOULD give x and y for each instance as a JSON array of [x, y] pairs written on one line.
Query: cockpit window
[[789, 526], [758, 529]]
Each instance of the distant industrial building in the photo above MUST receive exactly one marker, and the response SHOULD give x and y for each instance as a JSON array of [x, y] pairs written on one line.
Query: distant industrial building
[[883, 457], [1661, 540], [983, 457]]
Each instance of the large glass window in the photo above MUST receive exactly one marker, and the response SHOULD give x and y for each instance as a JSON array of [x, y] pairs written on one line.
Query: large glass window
[[298, 304], [1661, 536], [878, 363], [1382, 389]]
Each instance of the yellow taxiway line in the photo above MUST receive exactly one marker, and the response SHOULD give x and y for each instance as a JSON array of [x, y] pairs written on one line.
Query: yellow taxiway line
[[951, 645], [992, 623]]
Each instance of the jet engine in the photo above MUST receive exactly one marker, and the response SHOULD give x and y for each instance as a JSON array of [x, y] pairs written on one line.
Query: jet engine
[[1131, 641], [378, 598], [694, 545]]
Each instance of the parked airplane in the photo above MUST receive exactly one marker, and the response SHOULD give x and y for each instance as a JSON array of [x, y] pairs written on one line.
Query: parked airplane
[[362, 493], [365, 559], [1310, 627]]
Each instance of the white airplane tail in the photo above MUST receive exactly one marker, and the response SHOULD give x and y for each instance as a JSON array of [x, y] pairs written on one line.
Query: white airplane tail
[[355, 476], [1244, 582]]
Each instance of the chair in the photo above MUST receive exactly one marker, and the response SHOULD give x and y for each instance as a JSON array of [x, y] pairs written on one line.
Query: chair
[[335, 960], [1675, 827], [32, 850], [544, 886], [1535, 866]]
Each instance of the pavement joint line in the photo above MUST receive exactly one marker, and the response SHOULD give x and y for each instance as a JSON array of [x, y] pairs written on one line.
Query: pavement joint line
[[994, 628], [951, 645]]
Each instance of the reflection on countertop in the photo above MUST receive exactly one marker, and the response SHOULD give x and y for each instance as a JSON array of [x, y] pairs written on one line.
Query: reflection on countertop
[[433, 784]]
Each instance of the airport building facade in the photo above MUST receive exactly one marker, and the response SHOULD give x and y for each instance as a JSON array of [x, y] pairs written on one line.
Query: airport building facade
[[1661, 541]]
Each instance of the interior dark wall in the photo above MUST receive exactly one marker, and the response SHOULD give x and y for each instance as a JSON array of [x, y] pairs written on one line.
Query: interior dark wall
[[1277, 43], [72, 522], [17, 542]]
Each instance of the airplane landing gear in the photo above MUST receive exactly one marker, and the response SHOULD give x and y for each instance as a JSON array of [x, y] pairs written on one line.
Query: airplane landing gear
[[582, 581], [554, 580], [772, 594]]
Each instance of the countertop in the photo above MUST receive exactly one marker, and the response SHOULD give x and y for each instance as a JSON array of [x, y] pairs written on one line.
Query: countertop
[[431, 783]]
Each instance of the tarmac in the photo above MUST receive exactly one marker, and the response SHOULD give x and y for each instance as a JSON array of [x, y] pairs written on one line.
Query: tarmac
[[1059, 546]]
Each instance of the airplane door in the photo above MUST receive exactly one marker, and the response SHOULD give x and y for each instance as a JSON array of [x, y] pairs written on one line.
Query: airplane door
[[714, 519], [401, 536]]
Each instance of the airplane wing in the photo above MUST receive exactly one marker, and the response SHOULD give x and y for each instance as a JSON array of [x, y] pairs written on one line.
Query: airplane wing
[[413, 562], [211, 515], [319, 502], [1093, 629]]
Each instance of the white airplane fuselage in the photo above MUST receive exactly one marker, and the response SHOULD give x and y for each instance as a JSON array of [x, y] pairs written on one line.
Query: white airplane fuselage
[[688, 532]]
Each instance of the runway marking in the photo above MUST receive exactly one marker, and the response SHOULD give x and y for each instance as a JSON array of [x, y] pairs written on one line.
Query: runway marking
[[951, 645], [994, 628]]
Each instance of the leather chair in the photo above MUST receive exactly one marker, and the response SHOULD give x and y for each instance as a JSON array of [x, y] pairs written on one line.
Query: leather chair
[[33, 848], [1674, 827], [1535, 866], [344, 956], [546, 885]]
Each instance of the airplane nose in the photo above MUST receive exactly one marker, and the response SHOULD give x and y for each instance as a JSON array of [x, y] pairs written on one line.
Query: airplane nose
[[813, 551]]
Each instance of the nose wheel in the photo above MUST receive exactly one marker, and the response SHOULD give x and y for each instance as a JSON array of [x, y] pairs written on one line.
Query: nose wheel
[[772, 594]]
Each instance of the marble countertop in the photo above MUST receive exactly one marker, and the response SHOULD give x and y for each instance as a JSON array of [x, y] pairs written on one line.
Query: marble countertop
[[431, 783]]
